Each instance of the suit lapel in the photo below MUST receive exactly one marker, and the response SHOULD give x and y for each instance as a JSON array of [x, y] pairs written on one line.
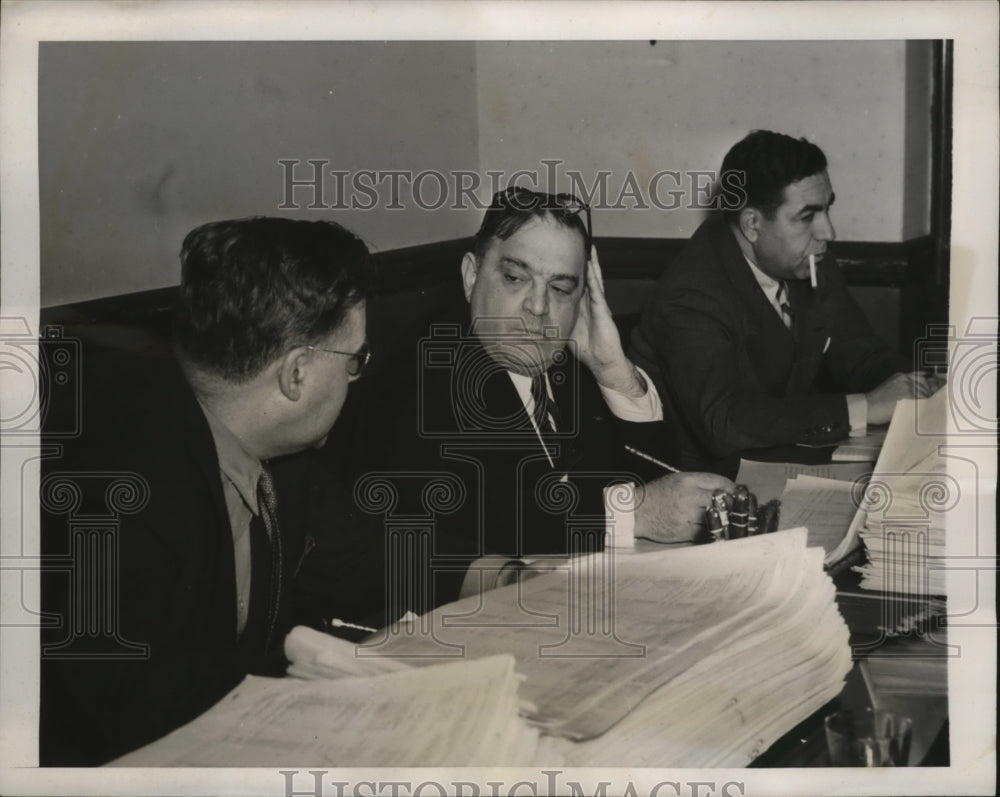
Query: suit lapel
[[771, 346], [811, 329], [502, 404], [218, 540], [565, 379]]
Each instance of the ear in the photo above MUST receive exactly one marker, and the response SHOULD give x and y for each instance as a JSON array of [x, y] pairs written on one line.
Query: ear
[[470, 272], [291, 372], [750, 223]]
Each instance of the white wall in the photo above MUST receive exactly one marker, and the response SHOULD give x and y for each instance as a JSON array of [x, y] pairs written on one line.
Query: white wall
[[640, 107], [140, 142]]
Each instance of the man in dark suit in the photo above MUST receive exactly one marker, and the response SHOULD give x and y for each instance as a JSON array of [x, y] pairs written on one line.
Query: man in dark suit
[[523, 402], [746, 352], [181, 537]]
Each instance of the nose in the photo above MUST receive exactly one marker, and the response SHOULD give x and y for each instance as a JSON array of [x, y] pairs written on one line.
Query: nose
[[824, 230], [536, 302]]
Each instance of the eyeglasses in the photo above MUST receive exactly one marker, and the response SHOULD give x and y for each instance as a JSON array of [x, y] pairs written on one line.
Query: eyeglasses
[[519, 198], [359, 358]]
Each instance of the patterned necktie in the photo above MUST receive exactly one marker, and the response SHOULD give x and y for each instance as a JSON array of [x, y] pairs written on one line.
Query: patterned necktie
[[786, 309], [542, 405], [267, 503], [546, 415]]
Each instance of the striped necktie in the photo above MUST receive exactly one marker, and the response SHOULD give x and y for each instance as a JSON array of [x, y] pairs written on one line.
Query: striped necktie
[[542, 405]]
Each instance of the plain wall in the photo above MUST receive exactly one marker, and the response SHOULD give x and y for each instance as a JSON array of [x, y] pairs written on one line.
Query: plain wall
[[640, 107], [140, 142]]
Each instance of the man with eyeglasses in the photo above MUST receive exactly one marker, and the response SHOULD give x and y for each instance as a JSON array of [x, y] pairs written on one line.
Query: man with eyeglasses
[[228, 539], [529, 398], [751, 333]]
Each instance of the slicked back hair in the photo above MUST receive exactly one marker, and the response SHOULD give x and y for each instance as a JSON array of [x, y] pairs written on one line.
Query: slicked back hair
[[507, 214], [253, 288]]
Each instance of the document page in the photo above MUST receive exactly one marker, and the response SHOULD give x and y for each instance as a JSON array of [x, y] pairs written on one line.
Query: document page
[[458, 714], [767, 480], [825, 507]]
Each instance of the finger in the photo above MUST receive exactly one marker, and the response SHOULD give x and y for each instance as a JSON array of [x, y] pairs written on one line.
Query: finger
[[594, 274], [921, 386]]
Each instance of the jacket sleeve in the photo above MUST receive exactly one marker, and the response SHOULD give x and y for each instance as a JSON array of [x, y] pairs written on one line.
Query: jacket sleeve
[[700, 350]]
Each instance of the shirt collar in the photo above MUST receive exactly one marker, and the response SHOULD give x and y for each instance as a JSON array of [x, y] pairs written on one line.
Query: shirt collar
[[767, 283], [241, 468], [522, 383]]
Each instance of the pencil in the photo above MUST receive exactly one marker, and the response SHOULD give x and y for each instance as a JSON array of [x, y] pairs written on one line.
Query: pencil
[[654, 460]]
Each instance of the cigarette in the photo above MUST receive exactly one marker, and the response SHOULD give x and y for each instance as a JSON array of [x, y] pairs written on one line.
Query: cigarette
[[812, 271]]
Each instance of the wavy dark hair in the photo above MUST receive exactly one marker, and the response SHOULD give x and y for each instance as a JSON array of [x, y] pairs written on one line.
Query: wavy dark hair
[[763, 164], [251, 288]]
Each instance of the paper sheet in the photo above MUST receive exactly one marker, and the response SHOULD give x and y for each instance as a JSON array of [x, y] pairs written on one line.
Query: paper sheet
[[659, 615], [461, 713], [767, 479], [825, 507]]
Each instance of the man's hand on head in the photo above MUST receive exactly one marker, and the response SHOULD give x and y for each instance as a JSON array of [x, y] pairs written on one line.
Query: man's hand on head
[[672, 508], [882, 400], [598, 344]]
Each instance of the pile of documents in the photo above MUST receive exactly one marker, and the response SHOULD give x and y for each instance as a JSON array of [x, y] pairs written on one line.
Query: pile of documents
[[902, 517], [462, 713], [678, 658], [823, 498]]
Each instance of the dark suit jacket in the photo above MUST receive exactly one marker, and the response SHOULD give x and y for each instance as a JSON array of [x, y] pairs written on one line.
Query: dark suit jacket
[[731, 375], [169, 648], [451, 411]]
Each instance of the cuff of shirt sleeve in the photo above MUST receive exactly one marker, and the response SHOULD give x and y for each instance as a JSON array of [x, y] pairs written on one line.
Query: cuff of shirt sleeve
[[857, 414], [619, 513], [648, 407]]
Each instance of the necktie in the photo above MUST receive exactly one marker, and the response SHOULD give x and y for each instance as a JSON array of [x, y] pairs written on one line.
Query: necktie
[[267, 503], [546, 415], [542, 405], [786, 309]]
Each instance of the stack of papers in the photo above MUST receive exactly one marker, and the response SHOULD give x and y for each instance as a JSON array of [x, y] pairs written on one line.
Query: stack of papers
[[732, 705], [767, 480], [825, 507], [463, 713], [678, 658], [823, 498], [902, 518]]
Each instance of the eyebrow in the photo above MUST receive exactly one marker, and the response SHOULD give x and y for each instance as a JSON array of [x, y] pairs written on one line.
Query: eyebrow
[[817, 208], [513, 261]]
